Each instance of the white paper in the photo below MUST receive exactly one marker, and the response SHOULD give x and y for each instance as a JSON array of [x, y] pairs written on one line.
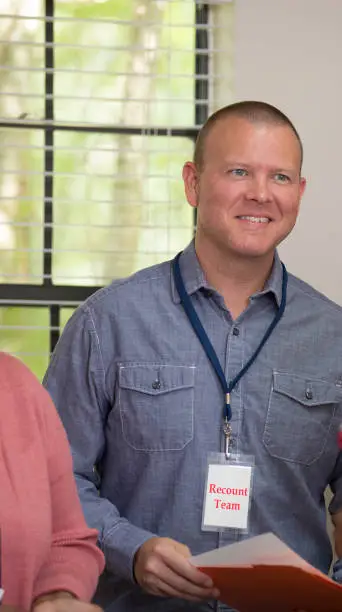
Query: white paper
[[265, 549]]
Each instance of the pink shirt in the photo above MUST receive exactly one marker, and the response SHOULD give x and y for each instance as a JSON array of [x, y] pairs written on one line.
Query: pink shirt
[[45, 543]]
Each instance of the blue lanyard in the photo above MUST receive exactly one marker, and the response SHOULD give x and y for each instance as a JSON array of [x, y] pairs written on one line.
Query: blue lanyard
[[208, 347]]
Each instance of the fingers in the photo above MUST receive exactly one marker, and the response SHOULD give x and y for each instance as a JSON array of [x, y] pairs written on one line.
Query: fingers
[[175, 579], [162, 568]]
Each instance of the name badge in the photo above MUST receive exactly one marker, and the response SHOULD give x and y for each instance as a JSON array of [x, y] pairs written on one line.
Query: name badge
[[227, 494]]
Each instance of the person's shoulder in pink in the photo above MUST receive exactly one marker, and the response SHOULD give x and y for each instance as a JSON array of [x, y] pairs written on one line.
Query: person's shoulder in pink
[[48, 554]]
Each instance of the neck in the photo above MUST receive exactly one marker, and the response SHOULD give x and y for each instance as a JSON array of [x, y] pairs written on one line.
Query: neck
[[235, 278]]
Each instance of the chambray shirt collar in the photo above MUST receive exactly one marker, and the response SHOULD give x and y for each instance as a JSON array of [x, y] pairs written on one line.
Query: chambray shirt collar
[[194, 279], [274, 283], [192, 273]]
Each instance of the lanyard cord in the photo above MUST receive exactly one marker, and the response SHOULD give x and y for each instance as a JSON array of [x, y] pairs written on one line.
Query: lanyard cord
[[207, 345]]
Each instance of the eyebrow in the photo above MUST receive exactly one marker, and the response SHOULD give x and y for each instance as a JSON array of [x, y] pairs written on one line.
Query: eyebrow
[[273, 169]]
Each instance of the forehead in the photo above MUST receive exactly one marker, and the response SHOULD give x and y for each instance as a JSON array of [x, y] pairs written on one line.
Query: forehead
[[241, 140]]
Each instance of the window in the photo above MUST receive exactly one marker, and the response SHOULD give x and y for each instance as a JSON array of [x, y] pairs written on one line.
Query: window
[[100, 103]]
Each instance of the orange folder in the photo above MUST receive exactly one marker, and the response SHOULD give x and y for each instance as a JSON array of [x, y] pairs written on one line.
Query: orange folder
[[263, 574]]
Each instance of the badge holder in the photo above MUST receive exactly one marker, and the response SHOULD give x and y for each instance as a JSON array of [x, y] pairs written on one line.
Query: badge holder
[[227, 494]]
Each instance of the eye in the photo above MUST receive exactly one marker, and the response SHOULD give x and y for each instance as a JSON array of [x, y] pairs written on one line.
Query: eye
[[238, 172], [281, 178]]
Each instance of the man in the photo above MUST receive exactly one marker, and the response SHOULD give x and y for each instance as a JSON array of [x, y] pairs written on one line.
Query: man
[[144, 407]]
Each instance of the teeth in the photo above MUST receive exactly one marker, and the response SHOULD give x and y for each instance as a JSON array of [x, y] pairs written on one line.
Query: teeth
[[255, 219]]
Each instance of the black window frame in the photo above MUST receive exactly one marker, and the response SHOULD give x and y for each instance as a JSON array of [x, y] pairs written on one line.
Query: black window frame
[[55, 297]]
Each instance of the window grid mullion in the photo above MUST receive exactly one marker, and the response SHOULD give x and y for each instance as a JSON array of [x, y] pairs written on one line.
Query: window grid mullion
[[48, 143], [54, 311], [201, 68], [55, 323]]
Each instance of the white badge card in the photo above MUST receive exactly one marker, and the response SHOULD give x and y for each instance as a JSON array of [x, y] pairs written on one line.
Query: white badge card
[[227, 495]]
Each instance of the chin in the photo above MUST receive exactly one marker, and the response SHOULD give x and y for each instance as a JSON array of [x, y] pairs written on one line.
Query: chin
[[256, 252], [255, 255]]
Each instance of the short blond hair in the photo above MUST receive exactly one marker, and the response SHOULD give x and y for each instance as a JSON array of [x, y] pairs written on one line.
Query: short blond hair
[[253, 111]]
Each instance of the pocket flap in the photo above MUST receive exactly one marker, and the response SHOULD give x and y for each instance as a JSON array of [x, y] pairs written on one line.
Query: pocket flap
[[306, 390], [155, 379]]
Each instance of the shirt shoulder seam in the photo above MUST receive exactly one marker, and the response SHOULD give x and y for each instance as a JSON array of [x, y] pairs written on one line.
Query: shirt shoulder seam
[[118, 285], [94, 331], [315, 295]]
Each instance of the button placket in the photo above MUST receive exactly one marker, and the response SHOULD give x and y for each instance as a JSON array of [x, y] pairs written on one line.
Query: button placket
[[234, 363]]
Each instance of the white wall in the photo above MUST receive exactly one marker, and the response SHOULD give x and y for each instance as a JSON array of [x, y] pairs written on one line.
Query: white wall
[[289, 53]]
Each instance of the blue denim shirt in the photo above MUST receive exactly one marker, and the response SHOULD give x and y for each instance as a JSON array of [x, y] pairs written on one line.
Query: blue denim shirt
[[140, 448]]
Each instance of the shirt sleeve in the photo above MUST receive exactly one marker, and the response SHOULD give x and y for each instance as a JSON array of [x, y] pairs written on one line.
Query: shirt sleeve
[[337, 571], [75, 380], [336, 506], [75, 561], [336, 487]]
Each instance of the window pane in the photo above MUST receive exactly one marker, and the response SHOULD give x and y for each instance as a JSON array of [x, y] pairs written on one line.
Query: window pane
[[134, 65], [65, 314], [24, 332], [22, 59], [119, 205], [21, 206]]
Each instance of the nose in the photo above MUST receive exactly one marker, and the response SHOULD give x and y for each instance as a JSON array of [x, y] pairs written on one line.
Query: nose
[[259, 190]]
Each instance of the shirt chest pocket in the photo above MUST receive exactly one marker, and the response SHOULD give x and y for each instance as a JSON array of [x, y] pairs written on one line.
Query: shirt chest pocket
[[299, 417], [156, 406]]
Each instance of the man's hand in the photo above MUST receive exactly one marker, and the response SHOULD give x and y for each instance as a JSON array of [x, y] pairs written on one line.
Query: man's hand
[[161, 567], [62, 602]]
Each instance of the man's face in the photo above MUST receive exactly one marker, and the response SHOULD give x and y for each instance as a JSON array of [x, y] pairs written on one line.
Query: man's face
[[248, 192]]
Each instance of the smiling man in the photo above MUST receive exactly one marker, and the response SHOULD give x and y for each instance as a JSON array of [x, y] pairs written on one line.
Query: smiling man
[[217, 367], [246, 184]]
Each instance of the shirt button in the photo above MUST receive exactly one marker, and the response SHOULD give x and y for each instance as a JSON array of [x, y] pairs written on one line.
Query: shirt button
[[308, 394], [156, 384], [236, 331]]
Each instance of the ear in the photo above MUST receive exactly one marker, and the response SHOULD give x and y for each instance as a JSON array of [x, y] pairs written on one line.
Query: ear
[[191, 178], [302, 186]]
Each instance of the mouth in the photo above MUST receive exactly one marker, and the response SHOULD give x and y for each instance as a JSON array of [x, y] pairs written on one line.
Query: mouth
[[253, 219]]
